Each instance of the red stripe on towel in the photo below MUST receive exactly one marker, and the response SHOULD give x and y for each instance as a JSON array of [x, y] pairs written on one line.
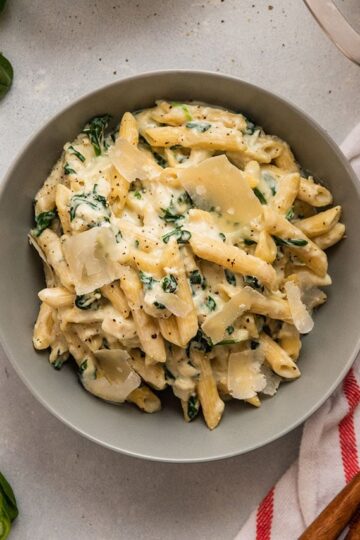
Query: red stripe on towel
[[348, 443], [264, 517]]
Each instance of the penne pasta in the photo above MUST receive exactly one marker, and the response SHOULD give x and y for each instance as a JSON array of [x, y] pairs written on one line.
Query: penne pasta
[[184, 249]]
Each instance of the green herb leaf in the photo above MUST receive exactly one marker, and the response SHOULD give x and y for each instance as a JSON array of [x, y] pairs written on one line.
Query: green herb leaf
[[210, 303], [249, 242], [290, 214], [76, 153], [168, 375], [6, 75], [43, 221], [195, 277], [88, 301], [182, 236], [95, 130], [137, 195], [200, 127], [93, 199], [2, 5], [253, 282], [260, 195], [185, 198], [227, 342], [169, 283], [184, 108], [200, 342], [147, 280], [68, 169], [230, 330], [222, 236], [271, 182], [169, 216], [159, 306], [251, 127], [230, 277], [7, 500], [83, 367], [296, 242], [160, 160], [193, 407], [57, 364]]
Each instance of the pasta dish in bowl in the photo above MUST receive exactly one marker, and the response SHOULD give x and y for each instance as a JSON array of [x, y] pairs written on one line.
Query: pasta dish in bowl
[[184, 222], [182, 249]]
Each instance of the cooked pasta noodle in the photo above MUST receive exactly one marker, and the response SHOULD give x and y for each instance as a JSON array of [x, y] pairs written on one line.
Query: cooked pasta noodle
[[184, 249]]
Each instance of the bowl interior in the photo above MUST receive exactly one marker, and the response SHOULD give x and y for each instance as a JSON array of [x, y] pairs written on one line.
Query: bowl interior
[[327, 352]]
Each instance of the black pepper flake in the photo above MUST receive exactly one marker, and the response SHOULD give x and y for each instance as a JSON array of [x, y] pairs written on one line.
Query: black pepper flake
[[154, 336]]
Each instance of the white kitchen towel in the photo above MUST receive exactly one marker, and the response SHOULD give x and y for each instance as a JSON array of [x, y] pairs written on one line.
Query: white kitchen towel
[[329, 450]]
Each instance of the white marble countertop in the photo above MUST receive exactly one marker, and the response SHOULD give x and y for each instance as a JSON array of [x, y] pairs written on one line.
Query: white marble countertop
[[68, 487]]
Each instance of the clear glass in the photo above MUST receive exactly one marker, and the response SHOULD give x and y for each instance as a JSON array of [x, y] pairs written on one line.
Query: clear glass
[[334, 23]]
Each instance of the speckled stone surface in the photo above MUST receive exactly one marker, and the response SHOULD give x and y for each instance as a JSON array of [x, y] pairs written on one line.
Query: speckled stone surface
[[68, 487]]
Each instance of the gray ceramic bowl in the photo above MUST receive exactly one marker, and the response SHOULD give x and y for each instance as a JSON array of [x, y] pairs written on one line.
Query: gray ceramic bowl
[[327, 352]]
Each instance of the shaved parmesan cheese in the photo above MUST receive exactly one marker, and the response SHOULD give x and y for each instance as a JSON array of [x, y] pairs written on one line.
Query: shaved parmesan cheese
[[115, 379], [301, 317], [50, 277], [131, 163], [218, 183], [272, 380], [313, 297], [245, 378], [90, 256], [172, 302], [215, 324]]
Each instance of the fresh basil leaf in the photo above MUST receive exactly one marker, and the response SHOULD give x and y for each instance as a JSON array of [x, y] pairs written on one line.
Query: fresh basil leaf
[[7, 499], [6, 75]]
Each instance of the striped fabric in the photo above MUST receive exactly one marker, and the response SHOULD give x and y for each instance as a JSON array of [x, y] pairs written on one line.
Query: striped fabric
[[328, 457]]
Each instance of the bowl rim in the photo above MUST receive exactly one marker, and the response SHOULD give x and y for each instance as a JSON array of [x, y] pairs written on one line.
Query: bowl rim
[[17, 365]]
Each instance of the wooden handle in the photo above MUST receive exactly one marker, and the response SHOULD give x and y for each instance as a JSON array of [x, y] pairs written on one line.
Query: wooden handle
[[354, 532], [332, 520]]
